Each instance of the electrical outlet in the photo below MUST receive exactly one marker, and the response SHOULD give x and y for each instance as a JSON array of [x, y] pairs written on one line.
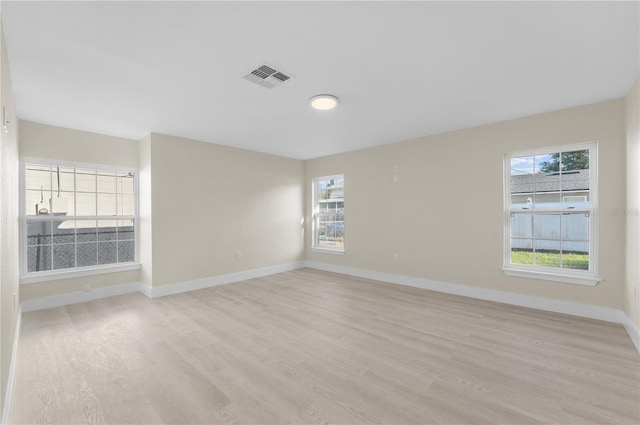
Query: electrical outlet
[[395, 169], [395, 256], [87, 287], [395, 179], [239, 255]]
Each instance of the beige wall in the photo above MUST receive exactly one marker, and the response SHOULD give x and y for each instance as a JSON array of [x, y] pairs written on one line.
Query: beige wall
[[64, 144], [57, 143], [632, 286], [30, 291], [444, 217], [211, 201], [9, 242]]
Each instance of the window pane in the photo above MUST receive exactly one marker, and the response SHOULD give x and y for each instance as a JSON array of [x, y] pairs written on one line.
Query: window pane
[[125, 183], [67, 178], [521, 225], [37, 202], [322, 231], [38, 232], [85, 180], [575, 184], [107, 253], [106, 182], [64, 232], [64, 256], [575, 227], [61, 204], [87, 254], [521, 251], [546, 201], [547, 253], [545, 183], [575, 160], [575, 255], [522, 179], [547, 163], [126, 251], [38, 258], [546, 226], [125, 205], [576, 199], [70, 202], [86, 231], [125, 230], [107, 230], [106, 204], [37, 177], [331, 233], [85, 204]]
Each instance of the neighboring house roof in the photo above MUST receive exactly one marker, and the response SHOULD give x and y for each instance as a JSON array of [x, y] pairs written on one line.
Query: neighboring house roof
[[550, 182]]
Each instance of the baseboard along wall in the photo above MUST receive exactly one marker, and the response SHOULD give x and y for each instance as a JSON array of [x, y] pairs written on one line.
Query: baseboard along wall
[[522, 300]]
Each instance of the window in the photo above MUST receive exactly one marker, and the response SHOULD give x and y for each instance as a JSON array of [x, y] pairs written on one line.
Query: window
[[550, 217], [328, 213], [76, 218]]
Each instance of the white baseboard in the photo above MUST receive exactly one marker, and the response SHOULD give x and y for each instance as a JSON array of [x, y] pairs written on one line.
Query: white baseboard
[[208, 282], [557, 306], [145, 289], [80, 296], [153, 292], [6, 409], [523, 300], [633, 331]]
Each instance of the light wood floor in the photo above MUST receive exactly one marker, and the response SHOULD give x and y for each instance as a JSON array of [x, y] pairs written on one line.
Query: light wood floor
[[314, 347]]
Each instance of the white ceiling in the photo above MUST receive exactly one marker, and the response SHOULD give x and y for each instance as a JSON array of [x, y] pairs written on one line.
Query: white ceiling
[[401, 70]]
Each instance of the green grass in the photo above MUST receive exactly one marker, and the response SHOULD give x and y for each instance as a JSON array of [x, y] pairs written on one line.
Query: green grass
[[551, 259]]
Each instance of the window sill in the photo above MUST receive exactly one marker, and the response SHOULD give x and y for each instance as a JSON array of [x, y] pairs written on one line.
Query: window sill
[[334, 251], [555, 277], [78, 272]]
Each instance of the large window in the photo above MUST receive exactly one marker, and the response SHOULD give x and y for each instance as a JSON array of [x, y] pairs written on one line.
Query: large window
[[76, 217], [328, 213], [550, 217]]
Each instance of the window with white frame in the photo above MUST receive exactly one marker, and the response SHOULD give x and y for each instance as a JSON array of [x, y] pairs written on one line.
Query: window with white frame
[[550, 216], [328, 213], [76, 217]]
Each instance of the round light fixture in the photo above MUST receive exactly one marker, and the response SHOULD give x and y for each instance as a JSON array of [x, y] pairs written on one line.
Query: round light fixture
[[323, 102]]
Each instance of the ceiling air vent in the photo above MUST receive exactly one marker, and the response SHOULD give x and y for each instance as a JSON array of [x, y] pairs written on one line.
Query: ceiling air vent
[[267, 76]]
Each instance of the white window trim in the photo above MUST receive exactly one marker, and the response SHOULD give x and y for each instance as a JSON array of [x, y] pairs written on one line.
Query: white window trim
[[314, 216], [582, 277], [325, 250], [48, 275]]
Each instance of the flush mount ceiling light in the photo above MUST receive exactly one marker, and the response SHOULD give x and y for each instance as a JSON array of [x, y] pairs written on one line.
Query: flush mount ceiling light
[[323, 102]]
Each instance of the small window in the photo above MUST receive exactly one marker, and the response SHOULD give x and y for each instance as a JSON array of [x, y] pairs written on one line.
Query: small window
[[76, 217], [551, 202], [328, 213]]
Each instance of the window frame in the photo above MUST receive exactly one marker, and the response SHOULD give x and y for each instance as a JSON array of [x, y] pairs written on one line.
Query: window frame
[[583, 277], [315, 198], [27, 277]]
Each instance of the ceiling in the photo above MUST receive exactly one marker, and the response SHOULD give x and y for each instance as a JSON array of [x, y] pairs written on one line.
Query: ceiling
[[401, 69]]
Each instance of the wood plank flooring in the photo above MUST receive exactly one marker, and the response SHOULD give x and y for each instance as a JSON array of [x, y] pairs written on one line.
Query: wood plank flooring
[[311, 347]]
